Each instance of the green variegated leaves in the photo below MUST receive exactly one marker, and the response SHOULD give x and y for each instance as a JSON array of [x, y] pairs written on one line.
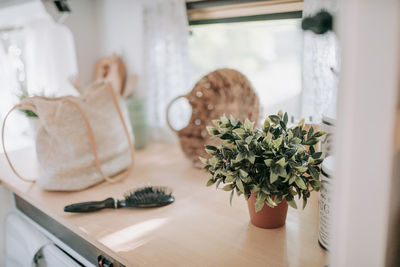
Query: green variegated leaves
[[260, 200], [239, 132], [248, 125], [300, 183], [211, 150], [275, 163], [281, 162], [292, 203], [212, 131]]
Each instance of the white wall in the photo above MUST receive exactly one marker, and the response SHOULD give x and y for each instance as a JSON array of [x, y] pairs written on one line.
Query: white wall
[[120, 26], [104, 27], [83, 24]]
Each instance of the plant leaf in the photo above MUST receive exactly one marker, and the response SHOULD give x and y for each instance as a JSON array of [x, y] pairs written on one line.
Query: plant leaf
[[229, 179], [252, 158], [273, 177], [210, 182], [270, 202], [213, 161], [248, 125], [226, 136], [243, 173], [212, 130], [268, 162], [239, 157], [224, 119], [203, 160], [290, 135], [302, 169], [281, 162], [274, 118], [216, 122], [228, 187], [277, 142], [287, 177], [266, 125], [300, 183], [282, 172], [230, 198], [211, 149], [265, 191], [318, 161], [314, 173], [283, 125], [316, 185], [219, 181], [239, 185], [239, 131], [259, 202], [317, 155], [301, 123], [255, 188], [296, 140], [310, 132], [286, 118], [247, 179], [292, 179], [319, 134], [248, 139], [292, 203], [311, 141]]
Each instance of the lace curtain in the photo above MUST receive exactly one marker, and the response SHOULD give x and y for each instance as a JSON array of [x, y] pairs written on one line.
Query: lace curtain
[[166, 72], [320, 66]]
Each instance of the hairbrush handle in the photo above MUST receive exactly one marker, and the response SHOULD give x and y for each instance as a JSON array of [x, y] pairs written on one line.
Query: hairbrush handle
[[92, 205]]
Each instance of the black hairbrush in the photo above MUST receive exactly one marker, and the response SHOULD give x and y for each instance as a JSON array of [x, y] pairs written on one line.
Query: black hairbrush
[[145, 197]]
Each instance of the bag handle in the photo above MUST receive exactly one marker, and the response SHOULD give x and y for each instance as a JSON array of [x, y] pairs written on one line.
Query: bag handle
[[4, 147], [125, 173], [91, 140], [167, 113]]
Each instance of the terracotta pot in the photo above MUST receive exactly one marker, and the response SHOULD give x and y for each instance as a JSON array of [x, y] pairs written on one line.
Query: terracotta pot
[[267, 217]]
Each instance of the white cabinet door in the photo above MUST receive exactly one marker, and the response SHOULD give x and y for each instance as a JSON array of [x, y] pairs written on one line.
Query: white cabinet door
[[27, 246], [369, 34], [6, 206]]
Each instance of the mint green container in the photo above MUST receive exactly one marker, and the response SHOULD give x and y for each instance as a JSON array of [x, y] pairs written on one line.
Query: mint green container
[[137, 115]]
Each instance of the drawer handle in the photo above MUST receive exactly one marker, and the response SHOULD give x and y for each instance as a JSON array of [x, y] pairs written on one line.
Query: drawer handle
[[104, 262]]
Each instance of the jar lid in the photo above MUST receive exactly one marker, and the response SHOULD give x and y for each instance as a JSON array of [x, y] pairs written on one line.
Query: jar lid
[[328, 166]]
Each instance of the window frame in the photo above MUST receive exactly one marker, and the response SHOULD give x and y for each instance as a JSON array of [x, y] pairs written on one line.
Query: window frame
[[226, 11]]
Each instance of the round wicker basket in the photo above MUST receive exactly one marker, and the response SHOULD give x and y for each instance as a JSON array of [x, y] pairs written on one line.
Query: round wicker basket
[[223, 91]]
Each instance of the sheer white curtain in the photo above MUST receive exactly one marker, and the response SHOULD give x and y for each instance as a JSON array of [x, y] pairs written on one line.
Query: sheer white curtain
[[36, 55], [166, 67], [12, 78], [320, 66], [50, 58]]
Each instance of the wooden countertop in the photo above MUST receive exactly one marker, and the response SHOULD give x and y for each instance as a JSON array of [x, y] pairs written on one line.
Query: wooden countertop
[[199, 229]]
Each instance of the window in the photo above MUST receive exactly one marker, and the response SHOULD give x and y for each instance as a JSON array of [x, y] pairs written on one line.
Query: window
[[12, 85], [268, 52]]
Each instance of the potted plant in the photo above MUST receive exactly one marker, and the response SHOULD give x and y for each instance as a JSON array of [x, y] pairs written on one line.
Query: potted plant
[[269, 166]]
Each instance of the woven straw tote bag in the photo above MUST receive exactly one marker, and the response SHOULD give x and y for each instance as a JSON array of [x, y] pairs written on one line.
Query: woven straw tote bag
[[80, 141]]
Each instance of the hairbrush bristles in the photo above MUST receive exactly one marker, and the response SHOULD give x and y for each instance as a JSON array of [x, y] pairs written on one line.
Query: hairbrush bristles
[[148, 196]]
